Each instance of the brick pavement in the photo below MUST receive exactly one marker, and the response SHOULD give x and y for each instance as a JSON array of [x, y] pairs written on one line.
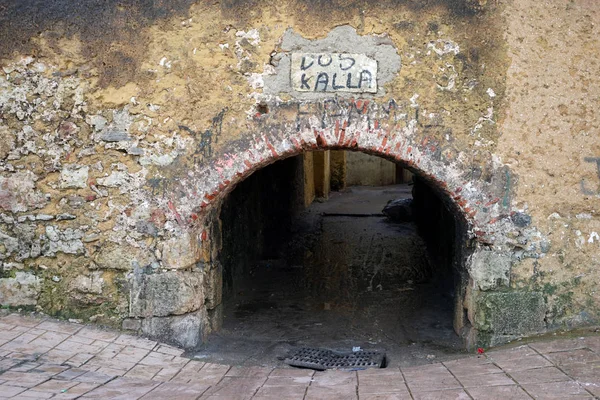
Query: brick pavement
[[43, 359]]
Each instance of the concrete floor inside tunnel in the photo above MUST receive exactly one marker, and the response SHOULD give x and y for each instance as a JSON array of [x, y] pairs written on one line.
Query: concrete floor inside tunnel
[[344, 276]]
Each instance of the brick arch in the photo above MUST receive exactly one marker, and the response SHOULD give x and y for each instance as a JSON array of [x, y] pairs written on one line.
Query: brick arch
[[481, 204], [204, 187], [450, 193]]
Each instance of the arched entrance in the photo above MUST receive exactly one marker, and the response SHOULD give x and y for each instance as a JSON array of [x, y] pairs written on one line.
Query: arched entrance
[[304, 267], [478, 194]]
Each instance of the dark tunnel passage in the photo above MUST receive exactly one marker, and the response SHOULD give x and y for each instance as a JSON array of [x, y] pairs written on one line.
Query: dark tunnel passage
[[307, 266]]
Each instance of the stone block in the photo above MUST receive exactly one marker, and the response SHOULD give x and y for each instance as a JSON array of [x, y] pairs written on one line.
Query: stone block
[[74, 177], [22, 290], [115, 179], [67, 241], [18, 194], [181, 330], [180, 252], [213, 286], [131, 324], [490, 269], [122, 257], [91, 284], [510, 314], [169, 293]]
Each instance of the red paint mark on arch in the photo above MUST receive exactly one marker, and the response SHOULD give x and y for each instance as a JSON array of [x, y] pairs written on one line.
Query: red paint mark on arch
[[176, 213], [273, 151]]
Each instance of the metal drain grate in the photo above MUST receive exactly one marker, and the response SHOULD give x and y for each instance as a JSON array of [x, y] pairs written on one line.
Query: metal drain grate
[[321, 359]]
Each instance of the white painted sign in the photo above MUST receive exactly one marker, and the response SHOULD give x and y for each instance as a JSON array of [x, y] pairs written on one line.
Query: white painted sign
[[333, 72]]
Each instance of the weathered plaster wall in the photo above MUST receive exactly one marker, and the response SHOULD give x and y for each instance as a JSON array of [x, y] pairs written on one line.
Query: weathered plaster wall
[[550, 140], [123, 127]]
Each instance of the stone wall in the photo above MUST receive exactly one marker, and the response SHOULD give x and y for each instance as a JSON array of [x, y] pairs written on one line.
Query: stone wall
[[123, 127]]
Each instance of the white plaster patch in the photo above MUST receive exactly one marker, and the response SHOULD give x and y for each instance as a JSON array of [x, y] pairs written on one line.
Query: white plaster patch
[[252, 36], [444, 46], [593, 236], [333, 72], [256, 80]]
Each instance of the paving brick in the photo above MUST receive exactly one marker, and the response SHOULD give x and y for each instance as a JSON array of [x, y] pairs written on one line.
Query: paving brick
[[559, 345], [288, 381], [5, 326], [157, 359], [527, 362], [593, 343], [166, 374], [8, 335], [71, 373], [133, 353], [25, 379], [136, 342], [25, 366], [457, 394], [97, 334], [486, 380], [514, 353], [573, 357], [339, 392], [281, 392], [122, 388], [143, 372], [383, 378], [557, 390], [234, 387], [386, 396], [33, 394], [512, 392], [383, 387], [539, 375], [94, 377], [472, 366], [16, 319], [59, 327], [112, 371], [110, 351], [176, 392], [79, 359], [81, 340], [25, 350], [334, 378], [429, 377], [192, 371], [8, 363], [211, 374], [55, 385], [49, 339], [76, 391], [588, 375], [174, 351], [57, 356], [23, 338], [7, 390], [73, 345], [291, 373], [248, 372]]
